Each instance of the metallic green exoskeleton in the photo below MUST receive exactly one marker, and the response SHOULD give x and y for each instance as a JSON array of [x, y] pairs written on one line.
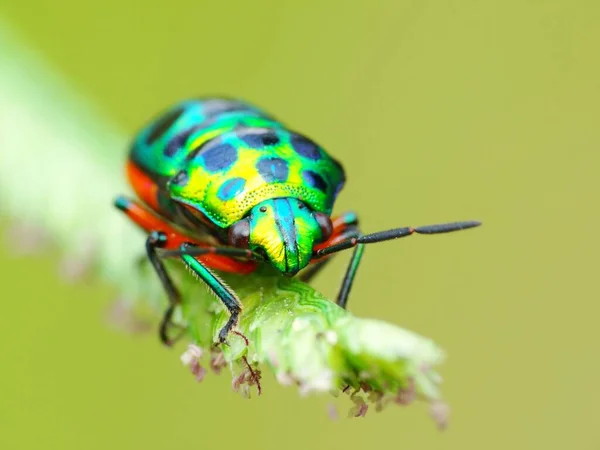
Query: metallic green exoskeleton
[[226, 186]]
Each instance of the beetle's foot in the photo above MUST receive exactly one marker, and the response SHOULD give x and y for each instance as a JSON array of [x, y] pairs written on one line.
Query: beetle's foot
[[164, 335], [222, 338], [166, 323], [231, 323]]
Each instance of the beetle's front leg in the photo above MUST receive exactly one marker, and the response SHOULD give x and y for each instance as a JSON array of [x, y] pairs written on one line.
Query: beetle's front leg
[[222, 291]]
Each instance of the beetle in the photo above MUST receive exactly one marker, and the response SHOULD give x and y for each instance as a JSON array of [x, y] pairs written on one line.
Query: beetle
[[224, 186]]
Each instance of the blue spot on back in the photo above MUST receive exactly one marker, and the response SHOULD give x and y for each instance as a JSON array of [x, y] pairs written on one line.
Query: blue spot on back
[[273, 169], [260, 139], [305, 147], [231, 188], [177, 143], [219, 157], [314, 180]]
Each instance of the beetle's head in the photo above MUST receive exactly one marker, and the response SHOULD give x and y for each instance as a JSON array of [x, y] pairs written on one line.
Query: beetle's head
[[284, 230]]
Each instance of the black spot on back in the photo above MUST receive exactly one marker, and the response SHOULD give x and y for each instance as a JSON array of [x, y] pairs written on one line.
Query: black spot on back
[[177, 143], [219, 157], [163, 125], [273, 169], [315, 180], [270, 139], [260, 139], [305, 147]]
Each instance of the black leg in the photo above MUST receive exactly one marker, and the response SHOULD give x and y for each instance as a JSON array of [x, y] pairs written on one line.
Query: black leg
[[156, 240], [342, 298], [221, 290], [358, 241]]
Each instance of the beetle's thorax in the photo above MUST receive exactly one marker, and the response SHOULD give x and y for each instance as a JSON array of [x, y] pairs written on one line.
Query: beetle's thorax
[[285, 230]]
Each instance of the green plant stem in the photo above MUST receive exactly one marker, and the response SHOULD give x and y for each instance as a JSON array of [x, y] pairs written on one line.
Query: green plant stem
[[60, 169]]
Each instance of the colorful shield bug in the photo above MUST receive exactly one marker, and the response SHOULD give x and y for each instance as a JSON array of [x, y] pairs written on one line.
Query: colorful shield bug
[[226, 187]]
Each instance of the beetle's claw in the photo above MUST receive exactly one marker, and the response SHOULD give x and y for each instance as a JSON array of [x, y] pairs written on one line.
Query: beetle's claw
[[223, 337]]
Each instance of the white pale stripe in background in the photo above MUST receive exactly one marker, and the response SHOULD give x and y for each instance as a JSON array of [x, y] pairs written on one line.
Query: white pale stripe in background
[[61, 165]]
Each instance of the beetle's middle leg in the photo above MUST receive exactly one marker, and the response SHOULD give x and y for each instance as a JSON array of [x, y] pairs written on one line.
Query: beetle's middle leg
[[156, 240]]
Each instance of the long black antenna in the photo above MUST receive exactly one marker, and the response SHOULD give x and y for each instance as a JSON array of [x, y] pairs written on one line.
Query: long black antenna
[[395, 234]]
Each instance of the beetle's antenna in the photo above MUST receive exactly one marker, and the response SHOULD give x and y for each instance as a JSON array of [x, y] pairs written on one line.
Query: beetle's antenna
[[395, 234]]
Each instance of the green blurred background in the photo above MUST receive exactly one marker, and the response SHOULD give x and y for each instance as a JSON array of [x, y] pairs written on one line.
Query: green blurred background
[[440, 111]]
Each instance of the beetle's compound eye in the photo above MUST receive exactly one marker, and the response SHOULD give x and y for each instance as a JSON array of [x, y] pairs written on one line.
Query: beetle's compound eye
[[239, 234], [325, 224]]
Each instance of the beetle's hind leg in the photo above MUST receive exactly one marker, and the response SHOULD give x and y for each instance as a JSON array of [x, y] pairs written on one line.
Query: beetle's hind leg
[[155, 240], [344, 292]]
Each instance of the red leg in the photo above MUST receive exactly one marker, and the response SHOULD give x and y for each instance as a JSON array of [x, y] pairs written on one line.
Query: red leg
[[344, 226], [150, 222]]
